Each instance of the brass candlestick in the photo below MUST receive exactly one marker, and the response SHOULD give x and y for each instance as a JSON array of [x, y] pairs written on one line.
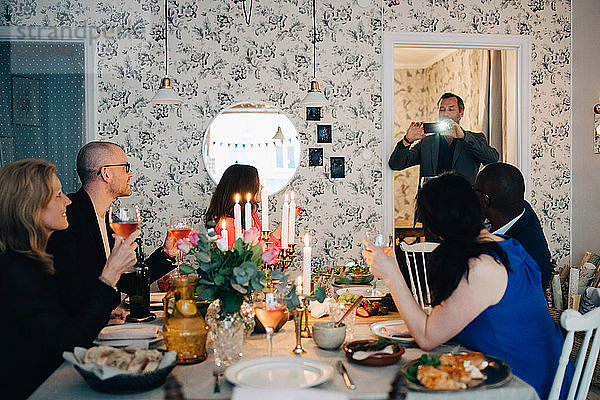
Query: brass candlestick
[[297, 313], [305, 332], [265, 235]]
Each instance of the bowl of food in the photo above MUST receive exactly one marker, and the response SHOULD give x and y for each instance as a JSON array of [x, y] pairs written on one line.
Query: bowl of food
[[374, 353], [111, 370], [354, 276]]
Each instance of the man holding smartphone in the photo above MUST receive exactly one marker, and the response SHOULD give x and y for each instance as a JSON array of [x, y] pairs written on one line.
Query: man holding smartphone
[[443, 146]]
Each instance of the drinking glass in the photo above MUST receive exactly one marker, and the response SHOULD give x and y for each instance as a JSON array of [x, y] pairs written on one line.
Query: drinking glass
[[269, 309], [180, 228], [386, 242], [123, 220]]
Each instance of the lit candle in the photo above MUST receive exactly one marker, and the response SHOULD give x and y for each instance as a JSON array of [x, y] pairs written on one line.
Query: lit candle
[[237, 217], [248, 212], [306, 251], [299, 285], [285, 215], [292, 220], [224, 233], [264, 198]]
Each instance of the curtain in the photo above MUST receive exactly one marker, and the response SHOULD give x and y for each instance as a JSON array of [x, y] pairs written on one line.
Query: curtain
[[492, 110]]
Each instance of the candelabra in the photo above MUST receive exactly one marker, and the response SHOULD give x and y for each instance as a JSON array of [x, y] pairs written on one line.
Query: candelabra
[[305, 331], [286, 257], [265, 236]]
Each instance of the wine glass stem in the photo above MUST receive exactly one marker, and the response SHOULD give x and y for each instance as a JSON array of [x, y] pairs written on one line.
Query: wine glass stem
[[269, 331]]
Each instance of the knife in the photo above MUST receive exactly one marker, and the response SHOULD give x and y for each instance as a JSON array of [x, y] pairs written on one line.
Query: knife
[[347, 380]]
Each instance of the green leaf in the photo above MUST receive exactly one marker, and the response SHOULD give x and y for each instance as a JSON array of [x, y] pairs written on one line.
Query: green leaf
[[257, 251], [202, 257], [319, 294], [208, 294], [238, 246], [292, 299], [186, 269], [232, 302], [278, 275]]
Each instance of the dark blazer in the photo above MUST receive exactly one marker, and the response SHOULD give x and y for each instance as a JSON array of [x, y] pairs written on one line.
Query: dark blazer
[[38, 327], [79, 255], [469, 154], [528, 231]]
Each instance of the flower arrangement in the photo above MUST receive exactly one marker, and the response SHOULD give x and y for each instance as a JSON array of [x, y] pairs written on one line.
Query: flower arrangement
[[231, 275]]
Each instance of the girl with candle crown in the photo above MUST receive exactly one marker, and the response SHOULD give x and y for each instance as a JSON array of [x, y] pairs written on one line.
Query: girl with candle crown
[[237, 179]]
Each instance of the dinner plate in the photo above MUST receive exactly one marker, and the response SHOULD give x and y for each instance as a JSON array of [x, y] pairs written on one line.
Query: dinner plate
[[139, 343], [497, 374], [365, 291], [393, 329], [279, 373]]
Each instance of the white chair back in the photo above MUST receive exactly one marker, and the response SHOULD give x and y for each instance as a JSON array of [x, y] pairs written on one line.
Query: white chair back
[[416, 270], [572, 322]]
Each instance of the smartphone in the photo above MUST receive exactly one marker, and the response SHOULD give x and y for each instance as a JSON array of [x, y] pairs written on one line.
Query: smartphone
[[436, 127]]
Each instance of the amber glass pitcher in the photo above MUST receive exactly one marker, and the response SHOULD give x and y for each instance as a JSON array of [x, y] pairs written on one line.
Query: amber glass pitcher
[[184, 331]]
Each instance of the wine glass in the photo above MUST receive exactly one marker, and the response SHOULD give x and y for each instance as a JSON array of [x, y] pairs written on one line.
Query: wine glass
[[123, 220], [180, 228], [386, 242], [269, 309]]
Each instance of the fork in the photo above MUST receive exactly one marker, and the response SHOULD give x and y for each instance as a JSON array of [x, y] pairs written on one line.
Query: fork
[[217, 374]]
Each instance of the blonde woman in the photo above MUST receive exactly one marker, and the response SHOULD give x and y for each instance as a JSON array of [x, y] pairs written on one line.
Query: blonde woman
[[37, 328]]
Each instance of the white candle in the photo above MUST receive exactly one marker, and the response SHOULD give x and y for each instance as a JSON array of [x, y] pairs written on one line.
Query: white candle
[[248, 212], [224, 233], [292, 220], [306, 272], [264, 198], [237, 217], [285, 215], [299, 285]]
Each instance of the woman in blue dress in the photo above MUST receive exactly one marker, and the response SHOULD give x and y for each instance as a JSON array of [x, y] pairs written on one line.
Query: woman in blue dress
[[485, 288]]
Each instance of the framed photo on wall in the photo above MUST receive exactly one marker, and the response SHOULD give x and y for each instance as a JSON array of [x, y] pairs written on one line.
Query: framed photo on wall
[[323, 133], [26, 103], [315, 157], [338, 169]]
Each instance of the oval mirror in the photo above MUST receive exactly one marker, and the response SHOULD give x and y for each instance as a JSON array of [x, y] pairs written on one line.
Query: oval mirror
[[255, 134]]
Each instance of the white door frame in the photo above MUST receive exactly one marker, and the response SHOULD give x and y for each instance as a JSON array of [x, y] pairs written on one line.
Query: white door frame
[[85, 35], [522, 45]]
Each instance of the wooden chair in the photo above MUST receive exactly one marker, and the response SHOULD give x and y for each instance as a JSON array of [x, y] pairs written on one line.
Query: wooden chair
[[572, 322], [417, 269]]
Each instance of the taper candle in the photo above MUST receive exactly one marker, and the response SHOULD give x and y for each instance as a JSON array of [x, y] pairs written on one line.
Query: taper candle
[[237, 217], [248, 212], [285, 215], [224, 233], [306, 272], [264, 198], [292, 220]]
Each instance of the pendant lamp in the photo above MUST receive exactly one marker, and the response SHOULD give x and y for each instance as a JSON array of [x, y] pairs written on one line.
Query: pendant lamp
[[314, 97], [279, 133], [166, 94]]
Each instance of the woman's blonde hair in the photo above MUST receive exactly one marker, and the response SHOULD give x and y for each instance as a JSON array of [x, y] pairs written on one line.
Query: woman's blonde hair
[[25, 190]]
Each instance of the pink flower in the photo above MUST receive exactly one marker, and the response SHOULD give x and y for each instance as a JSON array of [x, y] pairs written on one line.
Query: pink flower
[[183, 246], [269, 255], [193, 237], [251, 235]]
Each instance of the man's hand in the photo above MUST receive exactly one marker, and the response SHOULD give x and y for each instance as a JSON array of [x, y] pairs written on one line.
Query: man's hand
[[117, 316], [415, 131], [455, 130], [170, 245]]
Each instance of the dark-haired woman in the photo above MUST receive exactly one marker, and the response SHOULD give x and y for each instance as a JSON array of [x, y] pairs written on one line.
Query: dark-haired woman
[[36, 327], [242, 179], [485, 289]]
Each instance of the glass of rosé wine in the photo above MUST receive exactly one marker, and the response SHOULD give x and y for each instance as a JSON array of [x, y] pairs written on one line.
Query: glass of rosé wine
[[180, 228], [269, 309], [123, 220]]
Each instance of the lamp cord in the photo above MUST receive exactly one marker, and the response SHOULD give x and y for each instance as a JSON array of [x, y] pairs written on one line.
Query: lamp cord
[[314, 40], [247, 14], [166, 44]]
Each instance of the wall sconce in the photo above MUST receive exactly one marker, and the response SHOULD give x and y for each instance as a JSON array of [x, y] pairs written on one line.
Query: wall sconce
[[597, 128]]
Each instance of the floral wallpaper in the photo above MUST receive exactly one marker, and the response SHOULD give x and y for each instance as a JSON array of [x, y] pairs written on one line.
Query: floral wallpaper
[[216, 59], [416, 94]]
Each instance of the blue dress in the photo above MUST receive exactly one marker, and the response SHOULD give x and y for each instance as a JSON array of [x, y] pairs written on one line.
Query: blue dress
[[519, 329]]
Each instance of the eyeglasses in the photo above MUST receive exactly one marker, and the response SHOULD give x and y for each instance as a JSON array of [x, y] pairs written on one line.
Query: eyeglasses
[[488, 200], [126, 165]]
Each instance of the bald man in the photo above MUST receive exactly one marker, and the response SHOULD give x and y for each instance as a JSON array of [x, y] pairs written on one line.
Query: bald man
[[501, 191], [81, 250]]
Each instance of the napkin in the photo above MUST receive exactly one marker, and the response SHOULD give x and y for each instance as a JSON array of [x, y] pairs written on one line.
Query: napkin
[[317, 310], [102, 371], [397, 331], [129, 331], [242, 393]]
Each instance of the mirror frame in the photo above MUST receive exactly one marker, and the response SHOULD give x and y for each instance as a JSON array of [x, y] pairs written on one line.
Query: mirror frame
[[522, 45], [283, 188]]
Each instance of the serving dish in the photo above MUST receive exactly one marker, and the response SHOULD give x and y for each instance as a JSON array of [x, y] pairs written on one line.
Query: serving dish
[[364, 291], [375, 359], [393, 330], [279, 373], [497, 373], [353, 279]]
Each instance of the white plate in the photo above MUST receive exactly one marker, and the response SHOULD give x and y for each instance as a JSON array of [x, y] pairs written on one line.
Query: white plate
[[279, 373], [365, 291], [379, 328], [137, 343]]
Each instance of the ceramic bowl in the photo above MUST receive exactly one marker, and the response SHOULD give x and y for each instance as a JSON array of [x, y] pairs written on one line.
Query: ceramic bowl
[[327, 336], [351, 279], [375, 360]]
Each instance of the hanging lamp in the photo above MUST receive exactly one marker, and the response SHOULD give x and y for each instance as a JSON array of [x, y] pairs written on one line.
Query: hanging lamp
[[314, 97], [166, 94], [279, 133]]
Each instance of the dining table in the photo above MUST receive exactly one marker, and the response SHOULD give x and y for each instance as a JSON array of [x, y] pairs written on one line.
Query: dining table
[[197, 380]]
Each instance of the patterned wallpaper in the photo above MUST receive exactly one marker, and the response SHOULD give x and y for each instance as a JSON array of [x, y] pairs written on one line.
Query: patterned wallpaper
[[416, 93], [216, 60]]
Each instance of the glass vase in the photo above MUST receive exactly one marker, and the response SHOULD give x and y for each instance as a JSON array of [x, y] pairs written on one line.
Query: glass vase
[[226, 336]]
